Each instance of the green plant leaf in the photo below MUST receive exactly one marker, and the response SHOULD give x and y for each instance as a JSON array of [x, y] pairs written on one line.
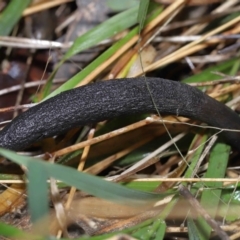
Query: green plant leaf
[[193, 232], [13, 232], [210, 198], [195, 156], [85, 182], [37, 176], [208, 75], [11, 15], [103, 31], [117, 5], [161, 229], [142, 13]]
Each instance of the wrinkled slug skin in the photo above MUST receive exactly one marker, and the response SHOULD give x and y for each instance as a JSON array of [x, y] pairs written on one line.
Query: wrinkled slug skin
[[108, 99]]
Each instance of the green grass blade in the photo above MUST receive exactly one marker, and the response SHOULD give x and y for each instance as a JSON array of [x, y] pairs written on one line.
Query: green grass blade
[[210, 198], [103, 31], [87, 183], [155, 231], [193, 232], [161, 230], [37, 191], [142, 13], [117, 5], [15, 233], [11, 14], [143, 185], [207, 74], [195, 156]]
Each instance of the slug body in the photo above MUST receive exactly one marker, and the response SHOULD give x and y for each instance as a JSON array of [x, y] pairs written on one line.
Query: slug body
[[108, 99]]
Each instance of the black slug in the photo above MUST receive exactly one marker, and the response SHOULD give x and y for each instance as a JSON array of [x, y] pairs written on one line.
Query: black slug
[[108, 99]]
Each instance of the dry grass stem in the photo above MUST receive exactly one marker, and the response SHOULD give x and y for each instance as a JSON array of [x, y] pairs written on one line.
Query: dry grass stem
[[103, 137]]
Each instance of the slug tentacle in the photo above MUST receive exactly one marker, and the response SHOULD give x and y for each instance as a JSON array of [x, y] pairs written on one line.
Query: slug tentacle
[[108, 99]]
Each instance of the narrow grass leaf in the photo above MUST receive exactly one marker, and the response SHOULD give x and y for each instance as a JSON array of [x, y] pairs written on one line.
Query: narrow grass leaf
[[87, 183], [15, 233], [154, 231], [195, 156], [142, 13], [141, 233], [161, 230], [98, 187], [11, 15], [117, 5], [210, 198], [148, 186], [37, 191], [229, 209], [209, 75], [103, 31], [235, 68], [193, 232], [231, 194]]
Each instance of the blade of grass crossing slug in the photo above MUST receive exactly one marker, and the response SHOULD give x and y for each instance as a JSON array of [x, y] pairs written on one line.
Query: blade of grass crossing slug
[[210, 198], [142, 13], [10, 15], [87, 183], [79, 77], [37, 191]]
